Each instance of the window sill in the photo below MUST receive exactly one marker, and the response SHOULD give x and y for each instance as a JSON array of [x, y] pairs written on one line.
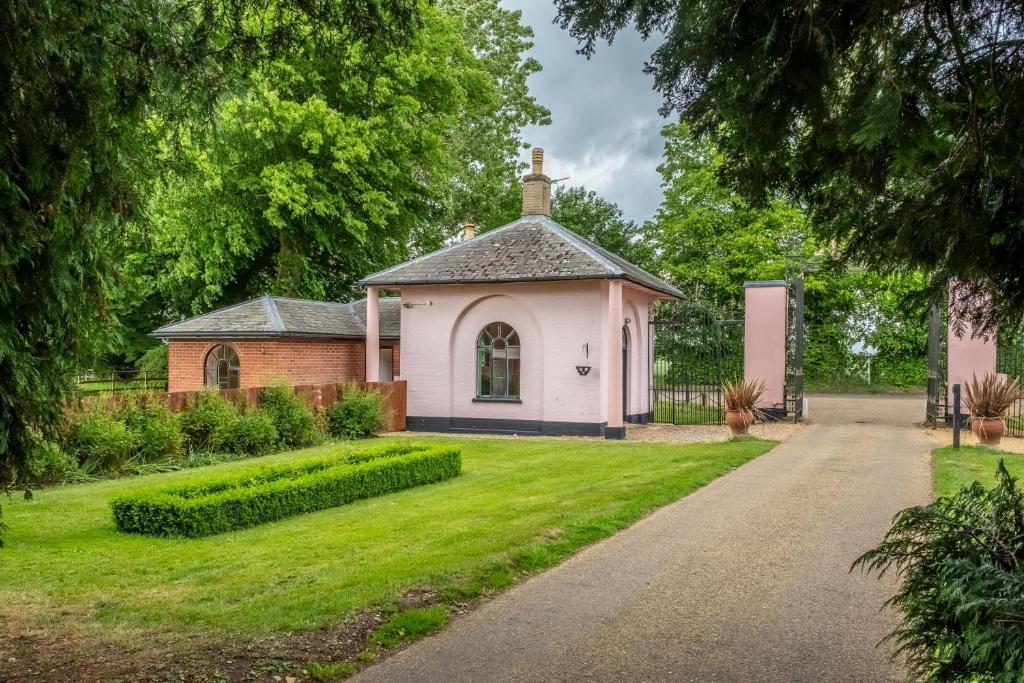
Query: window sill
[[488, 399]]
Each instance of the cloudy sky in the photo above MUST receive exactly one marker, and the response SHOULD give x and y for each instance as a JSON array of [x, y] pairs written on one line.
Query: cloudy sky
[[605, 127]]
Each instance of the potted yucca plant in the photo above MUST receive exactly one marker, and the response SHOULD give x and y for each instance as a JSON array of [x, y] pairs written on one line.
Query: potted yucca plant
[[988, 399], [741, 399]]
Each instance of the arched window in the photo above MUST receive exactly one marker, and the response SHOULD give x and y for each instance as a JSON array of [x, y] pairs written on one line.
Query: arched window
[[497, 362], [222, 367]]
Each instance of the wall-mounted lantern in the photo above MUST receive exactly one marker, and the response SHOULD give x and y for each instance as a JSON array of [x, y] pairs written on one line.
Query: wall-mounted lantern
[[583, 364]]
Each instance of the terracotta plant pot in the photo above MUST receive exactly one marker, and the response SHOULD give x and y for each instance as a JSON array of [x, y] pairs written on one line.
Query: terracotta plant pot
[[739, 421], [989, 430]]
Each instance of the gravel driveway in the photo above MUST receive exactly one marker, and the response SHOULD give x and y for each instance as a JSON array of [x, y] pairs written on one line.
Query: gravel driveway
[[745, 580]]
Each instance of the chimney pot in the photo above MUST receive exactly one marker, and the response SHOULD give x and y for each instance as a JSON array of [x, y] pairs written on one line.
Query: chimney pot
[[537, 188], [470, 230]]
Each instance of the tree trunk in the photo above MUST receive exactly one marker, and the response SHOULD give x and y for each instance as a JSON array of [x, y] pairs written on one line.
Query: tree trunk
[[289, 267]]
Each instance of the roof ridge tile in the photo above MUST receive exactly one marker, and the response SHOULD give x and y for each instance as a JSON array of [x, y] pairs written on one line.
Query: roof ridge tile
[[275, 316]]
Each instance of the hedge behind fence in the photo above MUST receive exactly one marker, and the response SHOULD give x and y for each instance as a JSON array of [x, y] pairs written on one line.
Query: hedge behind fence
[[254, 496]]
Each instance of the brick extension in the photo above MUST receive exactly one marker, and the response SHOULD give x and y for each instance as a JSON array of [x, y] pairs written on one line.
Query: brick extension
[[266, 361]]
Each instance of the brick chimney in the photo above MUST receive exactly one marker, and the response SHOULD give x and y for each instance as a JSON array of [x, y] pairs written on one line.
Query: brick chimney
[[537, 188], [469, 230]]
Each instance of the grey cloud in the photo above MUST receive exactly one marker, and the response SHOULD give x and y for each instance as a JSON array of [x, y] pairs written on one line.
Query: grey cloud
[[605, 130]]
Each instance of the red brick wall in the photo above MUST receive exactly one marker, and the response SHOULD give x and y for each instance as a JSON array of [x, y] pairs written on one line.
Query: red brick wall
[[266, 361]]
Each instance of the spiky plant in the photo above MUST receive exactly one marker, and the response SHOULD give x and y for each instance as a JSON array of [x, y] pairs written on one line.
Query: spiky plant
[[742, 395], [960, 562], [992, 395]]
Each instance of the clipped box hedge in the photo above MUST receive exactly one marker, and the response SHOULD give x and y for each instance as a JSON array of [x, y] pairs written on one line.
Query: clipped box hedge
[[254, 496]]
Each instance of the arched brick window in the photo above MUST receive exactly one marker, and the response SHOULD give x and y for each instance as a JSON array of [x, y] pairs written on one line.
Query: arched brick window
[[497, 362], [221, 368]]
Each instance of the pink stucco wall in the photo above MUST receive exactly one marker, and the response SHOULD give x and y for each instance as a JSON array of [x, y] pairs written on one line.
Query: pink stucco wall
[[967, 356], [764, 341], [636, 309], [440, 328]]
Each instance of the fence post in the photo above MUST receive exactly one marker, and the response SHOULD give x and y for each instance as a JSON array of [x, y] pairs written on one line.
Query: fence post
[[956, 416]]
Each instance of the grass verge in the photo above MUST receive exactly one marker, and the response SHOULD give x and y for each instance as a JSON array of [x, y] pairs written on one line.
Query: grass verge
[[330, 671], [410, 625], [953, 469]]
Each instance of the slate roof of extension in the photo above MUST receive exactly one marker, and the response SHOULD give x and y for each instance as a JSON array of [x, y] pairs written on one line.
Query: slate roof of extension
[[530, 249], [276, 316]]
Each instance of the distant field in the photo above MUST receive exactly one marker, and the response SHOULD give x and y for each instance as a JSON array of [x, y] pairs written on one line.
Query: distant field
[[851, 385], [687, 413], [117, 384]]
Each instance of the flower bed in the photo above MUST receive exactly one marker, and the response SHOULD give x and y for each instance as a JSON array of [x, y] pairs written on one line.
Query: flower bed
[[223, 503]]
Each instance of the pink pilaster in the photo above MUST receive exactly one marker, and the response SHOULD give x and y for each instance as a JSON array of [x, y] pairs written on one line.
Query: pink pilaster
[[764, 339], [372, 335], [613, 360], [968, 355]]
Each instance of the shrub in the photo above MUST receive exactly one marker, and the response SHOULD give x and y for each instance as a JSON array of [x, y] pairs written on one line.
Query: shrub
[[48, 463], [258, 495], [296, 426], [153, 361], [158, 431], [961, 592], [100, 441], [323, 425], [207, 413], [742, 395], [252, 433], [992, 395], [357, 414]]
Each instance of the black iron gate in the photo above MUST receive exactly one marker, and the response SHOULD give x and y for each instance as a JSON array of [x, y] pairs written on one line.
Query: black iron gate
[[936, 410], [694, 351], [795, 351], [1010, 360]]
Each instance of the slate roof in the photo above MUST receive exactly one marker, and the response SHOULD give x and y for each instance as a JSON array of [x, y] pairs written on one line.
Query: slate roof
[[277, 316], [530, 249]]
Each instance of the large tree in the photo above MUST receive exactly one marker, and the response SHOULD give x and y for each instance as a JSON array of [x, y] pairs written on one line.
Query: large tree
[[76, 81], [320, 170], [316, 174], [898, 123], [711, 240], [487, 142], [588, 214]]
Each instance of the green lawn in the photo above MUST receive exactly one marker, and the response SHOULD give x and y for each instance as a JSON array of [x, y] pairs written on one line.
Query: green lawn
[[519, 505], [956, 468], [100, 385], [682, 413]]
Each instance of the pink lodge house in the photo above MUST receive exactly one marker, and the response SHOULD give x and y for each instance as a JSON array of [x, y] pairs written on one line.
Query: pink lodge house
[[526, 329]]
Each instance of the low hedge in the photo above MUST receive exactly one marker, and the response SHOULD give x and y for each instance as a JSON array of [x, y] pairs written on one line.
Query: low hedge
[[255, 496]]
